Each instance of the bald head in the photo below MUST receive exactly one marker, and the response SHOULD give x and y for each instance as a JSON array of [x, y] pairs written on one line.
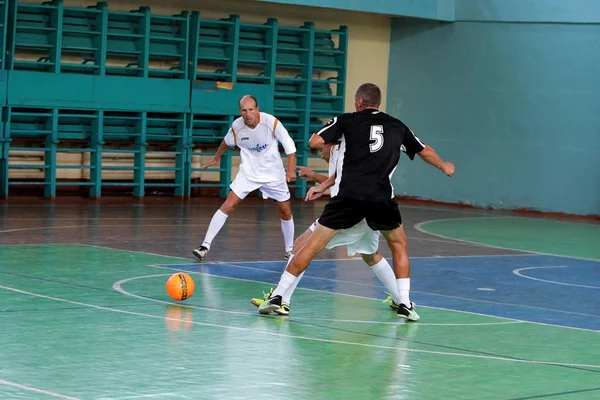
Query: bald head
[[367, 95], [248, 100], [249, 110]]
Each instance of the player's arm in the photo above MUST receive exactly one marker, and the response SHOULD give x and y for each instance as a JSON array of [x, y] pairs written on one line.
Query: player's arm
[[282, 135], [317, 191], [412, 145], [316, 141], [329, 182], [430, 156], [307, 173], [223, 147], [291, 171], [327, 134]]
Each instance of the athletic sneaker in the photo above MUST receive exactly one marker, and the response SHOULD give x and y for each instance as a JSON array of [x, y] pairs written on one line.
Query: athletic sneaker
[[287, 255], [272, 304], [200, 252], [258, 301], [409, 314], [285, 308], [390, 302]]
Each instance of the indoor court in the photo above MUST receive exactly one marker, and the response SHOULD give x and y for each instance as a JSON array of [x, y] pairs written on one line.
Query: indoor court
[[85, 314], [125, 124]]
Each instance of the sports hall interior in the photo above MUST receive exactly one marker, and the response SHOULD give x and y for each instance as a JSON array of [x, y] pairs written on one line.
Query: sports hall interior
[[110, 110]]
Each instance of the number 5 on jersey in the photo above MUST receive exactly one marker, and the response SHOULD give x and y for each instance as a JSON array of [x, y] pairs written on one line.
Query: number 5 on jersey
[[377, 136]]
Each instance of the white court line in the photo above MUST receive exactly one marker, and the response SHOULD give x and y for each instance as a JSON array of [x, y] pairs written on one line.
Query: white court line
[[37, 244], [450, 208], [371, 298], [518, 273], [172, 225], [133, 251], [449, 241], [426, 293], [118, 286], [420, 228], [144, 396], [547, 219], [277, 334], [359, 259], [263, 261], [34, 389], [353, 321], [174, 219], [98, 218], [500, 216], [106, 226], [283, 261]]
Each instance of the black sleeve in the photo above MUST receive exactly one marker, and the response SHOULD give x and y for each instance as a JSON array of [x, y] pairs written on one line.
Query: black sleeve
[[411, 144], [332, 131]]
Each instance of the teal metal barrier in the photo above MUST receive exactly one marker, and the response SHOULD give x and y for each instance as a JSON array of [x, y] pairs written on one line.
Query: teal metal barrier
[[3, 31], [121, 89]]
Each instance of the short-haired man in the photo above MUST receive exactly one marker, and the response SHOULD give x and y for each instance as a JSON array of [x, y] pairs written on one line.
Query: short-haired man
[[374, 141], [257, 135]]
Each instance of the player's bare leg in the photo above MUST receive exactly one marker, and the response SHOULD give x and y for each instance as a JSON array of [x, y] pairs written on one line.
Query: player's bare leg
[[287, 225], [316, 243], [231, 203], [371, 259], [217, 222], [396, 240], [301, 241]]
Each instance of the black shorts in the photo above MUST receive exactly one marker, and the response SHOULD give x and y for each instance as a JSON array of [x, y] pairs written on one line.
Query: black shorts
[[342, 213]]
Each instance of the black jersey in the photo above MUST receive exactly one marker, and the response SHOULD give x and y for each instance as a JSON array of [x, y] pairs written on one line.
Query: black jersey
[[373, 142]]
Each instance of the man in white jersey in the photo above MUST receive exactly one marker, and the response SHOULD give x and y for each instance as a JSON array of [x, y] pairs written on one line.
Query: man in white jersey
[[257, 135], [358, 239]]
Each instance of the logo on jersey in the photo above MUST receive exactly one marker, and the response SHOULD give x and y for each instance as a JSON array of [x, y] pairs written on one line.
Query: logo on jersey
[[258, 148], [244, 138]]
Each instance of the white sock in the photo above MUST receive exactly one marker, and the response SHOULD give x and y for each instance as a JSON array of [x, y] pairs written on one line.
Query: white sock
[[285, 282], [385, 274], [216, 223], [290, 291], [287, 227], [403, 290]]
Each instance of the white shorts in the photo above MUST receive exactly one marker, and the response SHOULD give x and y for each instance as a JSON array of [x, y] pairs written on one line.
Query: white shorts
[[358, 239], [277, 190]]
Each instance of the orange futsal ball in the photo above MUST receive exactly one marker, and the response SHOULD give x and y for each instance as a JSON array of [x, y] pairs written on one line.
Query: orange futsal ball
[[180, 286]]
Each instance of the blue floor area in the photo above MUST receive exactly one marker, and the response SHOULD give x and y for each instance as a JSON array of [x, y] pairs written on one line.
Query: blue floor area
[[565, 291]]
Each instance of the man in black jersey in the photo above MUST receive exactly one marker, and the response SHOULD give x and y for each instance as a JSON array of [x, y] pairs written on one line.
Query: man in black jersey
[[371, 144]]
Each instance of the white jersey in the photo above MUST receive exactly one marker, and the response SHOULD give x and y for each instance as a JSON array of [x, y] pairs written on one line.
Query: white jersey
[[336, 161], [259, 149], [360, 238]]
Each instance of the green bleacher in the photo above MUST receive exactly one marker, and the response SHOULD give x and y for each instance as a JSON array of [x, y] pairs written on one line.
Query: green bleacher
[[131, 100]]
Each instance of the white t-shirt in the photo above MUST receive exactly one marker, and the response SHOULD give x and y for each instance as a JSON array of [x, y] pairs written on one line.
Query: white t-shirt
[[336, 162], [259, 150]]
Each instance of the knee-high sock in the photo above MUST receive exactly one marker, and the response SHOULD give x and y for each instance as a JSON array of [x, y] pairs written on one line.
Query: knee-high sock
[[216, 223], [287, 296], [385, 274], [287, 227], [404, 290]]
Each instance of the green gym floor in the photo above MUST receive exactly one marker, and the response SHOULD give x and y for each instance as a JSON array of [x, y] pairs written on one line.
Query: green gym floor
[[509, 305]]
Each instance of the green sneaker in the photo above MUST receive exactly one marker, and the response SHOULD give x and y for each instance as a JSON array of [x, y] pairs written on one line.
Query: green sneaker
[[390, 302], [409, 314], [258, 301], [285, 309]]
